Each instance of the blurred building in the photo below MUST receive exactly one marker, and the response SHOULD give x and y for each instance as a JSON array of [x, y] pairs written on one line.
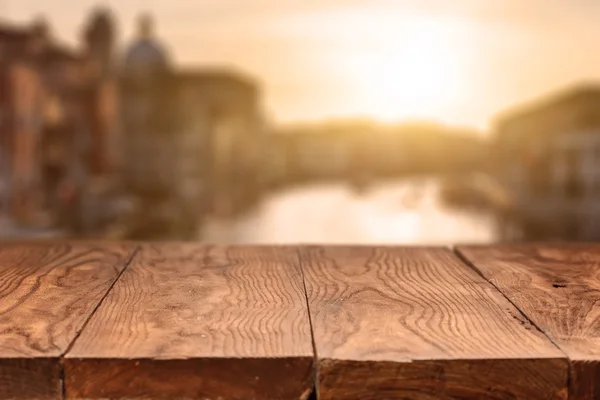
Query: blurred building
[[100, 90], [57, 109], [359, 152], [223, 126], [154, 160], [323, 153], [190, 140], [317, 152], [548, 157], [19, 94], [82, 129], [35, 73]]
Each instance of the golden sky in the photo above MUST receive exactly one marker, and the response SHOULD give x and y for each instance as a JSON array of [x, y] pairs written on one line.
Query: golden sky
[[456, 61]]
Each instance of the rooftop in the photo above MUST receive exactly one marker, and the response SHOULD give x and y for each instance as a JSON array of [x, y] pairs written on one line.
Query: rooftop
[[226, 75], [581, 93]]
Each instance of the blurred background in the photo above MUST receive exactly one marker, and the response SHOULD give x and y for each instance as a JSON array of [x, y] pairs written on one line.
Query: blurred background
[[300, 121]]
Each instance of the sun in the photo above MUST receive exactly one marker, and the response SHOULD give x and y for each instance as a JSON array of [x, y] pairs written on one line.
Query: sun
[[416, 71]]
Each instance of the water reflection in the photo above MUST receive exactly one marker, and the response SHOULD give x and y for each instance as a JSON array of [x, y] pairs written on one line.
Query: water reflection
[[407, 212]]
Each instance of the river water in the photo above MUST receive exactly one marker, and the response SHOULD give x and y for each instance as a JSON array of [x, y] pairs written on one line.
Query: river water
[[402, 212]]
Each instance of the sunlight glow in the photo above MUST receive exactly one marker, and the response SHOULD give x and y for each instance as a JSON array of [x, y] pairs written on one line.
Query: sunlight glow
[[395, 65], [454, 61], [418, 72]]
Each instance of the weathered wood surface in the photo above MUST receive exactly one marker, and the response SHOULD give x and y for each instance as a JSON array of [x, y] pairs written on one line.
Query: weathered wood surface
[[394, 323], [189, 321], [47, 293], [558, 288]]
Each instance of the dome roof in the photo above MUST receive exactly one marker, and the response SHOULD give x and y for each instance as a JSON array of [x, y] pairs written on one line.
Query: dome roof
[[146, 54]]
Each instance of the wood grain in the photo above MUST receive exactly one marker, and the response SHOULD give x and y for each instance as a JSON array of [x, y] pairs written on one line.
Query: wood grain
[[47, 293], [558, 287], [188, 321], [394, 323]]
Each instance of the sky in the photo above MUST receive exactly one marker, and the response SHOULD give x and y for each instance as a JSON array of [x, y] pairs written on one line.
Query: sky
[[458, 62]]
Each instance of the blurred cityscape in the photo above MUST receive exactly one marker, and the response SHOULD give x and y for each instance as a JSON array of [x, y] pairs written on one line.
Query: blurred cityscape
[[97, 144]]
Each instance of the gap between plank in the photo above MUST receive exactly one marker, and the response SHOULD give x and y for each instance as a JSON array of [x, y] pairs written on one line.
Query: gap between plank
[[315, 391], [472, 265], [87, 320]]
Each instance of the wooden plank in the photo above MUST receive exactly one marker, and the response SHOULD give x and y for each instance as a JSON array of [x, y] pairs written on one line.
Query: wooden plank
[[47, 293], [397, 323], [558, 287], [187, 321]]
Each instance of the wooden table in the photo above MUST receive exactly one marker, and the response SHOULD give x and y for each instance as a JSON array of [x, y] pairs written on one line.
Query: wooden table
[[87, 320]]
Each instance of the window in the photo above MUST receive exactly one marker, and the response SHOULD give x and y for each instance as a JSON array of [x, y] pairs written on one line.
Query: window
[[542, 177], [574, 184]]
